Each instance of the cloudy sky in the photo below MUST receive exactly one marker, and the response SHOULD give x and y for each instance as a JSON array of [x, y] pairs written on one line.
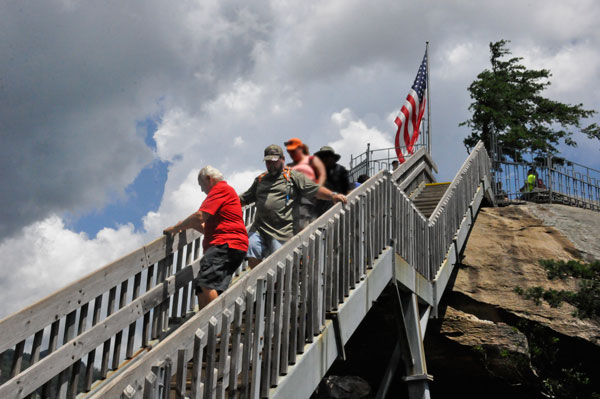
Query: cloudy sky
[[109, 108]]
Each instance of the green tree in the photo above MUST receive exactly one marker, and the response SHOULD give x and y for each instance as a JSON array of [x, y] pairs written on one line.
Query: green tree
[[508, 102]]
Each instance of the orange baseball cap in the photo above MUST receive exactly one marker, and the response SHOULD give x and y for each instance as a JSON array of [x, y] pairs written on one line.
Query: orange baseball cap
[[293, 143]]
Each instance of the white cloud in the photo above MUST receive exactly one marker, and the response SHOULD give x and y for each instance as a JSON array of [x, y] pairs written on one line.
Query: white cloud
[[355, 135], [47, 256]]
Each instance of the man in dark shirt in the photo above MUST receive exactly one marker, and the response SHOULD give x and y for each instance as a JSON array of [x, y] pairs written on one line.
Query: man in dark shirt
[[337, 176]]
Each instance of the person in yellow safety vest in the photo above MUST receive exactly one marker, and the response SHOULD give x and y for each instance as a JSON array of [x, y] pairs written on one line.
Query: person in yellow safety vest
[[531, 180]]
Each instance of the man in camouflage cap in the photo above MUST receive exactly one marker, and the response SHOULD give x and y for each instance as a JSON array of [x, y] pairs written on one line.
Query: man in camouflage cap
[[276, 192]]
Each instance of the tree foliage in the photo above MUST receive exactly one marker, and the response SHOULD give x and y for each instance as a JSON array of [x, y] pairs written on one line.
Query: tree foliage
[[508, 102]]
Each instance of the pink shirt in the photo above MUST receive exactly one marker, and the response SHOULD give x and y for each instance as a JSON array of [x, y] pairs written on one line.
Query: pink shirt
[[305, 168]]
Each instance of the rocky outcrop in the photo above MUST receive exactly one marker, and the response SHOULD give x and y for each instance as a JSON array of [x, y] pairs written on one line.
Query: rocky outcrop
[[501, 342]]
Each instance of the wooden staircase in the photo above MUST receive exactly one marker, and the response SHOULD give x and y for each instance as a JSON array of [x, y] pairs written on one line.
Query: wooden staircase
[[428, 198]]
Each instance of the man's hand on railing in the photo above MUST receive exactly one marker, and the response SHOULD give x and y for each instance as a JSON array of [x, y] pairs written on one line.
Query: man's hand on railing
[[335, 197]]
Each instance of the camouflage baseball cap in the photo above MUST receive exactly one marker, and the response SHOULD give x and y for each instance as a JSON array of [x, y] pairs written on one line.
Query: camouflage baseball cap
[[273, 153]]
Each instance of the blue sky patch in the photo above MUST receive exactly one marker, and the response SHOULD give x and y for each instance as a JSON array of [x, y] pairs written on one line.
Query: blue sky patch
[[142, 196]]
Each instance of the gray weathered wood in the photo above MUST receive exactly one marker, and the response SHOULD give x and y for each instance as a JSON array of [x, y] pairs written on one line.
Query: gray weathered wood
[[119, 336], [258, 339], [82, 325], [17, 360], [64, 376], [131, 333], [211, 359], [336, 293], [294, 308], [89, 368], [180, 379], [52, 343], [311, 303], [329, 266], [318, 320], [150, 386], [236, 346], [197, 386], [247, 350], [265, 372], [106, 346], [223, 370], [302, 313], [277, 325], [287, 303]]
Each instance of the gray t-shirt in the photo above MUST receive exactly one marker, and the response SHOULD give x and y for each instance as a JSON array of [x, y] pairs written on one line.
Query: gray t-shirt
[[276, 197]]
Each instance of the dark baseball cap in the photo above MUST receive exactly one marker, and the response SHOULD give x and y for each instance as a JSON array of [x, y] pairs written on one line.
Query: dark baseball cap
[[273, 153]]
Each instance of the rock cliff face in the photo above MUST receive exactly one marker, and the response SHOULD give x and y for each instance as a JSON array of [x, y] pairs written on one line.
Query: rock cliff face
[[490, 341]]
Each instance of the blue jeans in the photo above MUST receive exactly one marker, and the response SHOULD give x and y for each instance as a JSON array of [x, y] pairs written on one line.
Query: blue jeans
[[261, 246]]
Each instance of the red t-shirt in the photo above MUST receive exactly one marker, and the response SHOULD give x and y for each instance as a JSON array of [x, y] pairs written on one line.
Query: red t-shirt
[[226, 224]]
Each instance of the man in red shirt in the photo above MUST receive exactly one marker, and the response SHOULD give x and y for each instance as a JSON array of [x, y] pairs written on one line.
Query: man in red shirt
[[225, 237]]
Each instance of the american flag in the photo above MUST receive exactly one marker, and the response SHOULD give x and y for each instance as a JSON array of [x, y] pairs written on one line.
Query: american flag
[[409, 118]]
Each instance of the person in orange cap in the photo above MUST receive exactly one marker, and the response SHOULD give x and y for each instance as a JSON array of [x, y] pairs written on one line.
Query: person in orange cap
[[313, 168]]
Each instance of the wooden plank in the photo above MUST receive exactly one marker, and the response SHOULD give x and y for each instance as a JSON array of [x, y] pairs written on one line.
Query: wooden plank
[[17, 359], [63, 377], [89, 368], [52, 343], [82, 325], [343, 271], [119, 336], [277, 325], [247, 350], [344, 244], [106, 347], [164, 307], [223, 370], [131, 333], [329, 266], [318, 319], [287, 303], [310, 289], [236, 347], [180, 376], [157, 311], [303, 299], [197, 386], [294, 308], [146, 327], [258, 342], [335, 283], [35, 354], [211, 361], [186, 292], [150, 383], [175, 300], [168, 366], [352, 276], [265, 373]]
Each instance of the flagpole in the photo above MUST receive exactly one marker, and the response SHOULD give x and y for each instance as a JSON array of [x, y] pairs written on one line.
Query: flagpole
[[428, 102]]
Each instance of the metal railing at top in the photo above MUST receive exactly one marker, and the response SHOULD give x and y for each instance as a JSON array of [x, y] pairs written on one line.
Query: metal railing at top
[[562, 181], [242, 342], [371, 161]]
